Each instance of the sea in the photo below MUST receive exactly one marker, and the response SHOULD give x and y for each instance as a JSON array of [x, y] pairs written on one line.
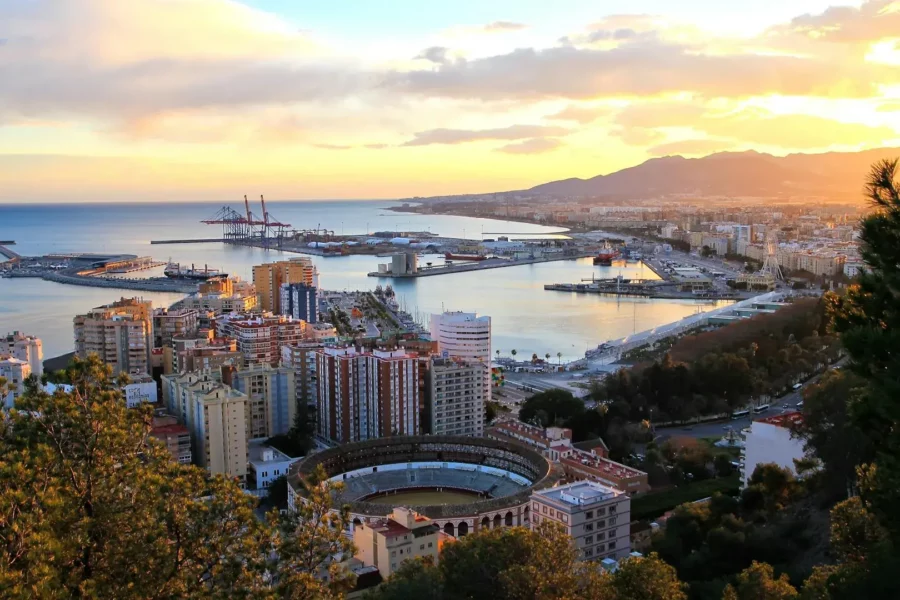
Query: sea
[[524, 316]]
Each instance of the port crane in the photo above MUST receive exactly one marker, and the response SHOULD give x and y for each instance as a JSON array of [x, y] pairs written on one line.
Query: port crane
[[249, 228]]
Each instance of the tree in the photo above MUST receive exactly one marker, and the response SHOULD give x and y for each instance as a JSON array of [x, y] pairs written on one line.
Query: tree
[[497, 352], [559, 357], [547, 357], [551, 407], [418, 578], [647, 578], [830, 433], [758, 582], [91, 506], [309, 542], [776, 485], [869, 324], [513, 353]]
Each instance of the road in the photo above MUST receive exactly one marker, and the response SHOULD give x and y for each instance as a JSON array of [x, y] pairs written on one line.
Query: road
[[719, 428]]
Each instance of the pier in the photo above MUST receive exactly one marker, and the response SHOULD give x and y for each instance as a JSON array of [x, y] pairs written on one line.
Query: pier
[[490, 263], [193, 241], [7, 252]]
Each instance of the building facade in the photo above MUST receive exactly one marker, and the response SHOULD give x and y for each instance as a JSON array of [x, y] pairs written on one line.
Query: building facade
[[268, 279], [119, 333], [167, 323], [266, 465], [24, 347], [261, 338], [15, 371], [175, 437], [299, 301], [770, 440], [216, 417], [389, 542], [362, 395], [598, 518], [465, 335], [271, 395], [456, 396]]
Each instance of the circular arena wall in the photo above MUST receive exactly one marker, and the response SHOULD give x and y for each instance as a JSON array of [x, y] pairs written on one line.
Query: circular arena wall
[[504, 474]]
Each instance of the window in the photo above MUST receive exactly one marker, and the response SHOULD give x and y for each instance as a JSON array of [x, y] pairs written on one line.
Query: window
[[565, 518], [393, 553], [589, 527], [421, 546], [612, 545], [601, 523], [544, 509], [588, 552], [589, 514], [612, 521], [589, 539], [429, 544], [612, 509]]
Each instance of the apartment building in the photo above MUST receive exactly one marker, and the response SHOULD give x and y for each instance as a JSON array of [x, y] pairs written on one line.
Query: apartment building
[[201, 352], [456, 396], [119, 333], [271, 395], [261, 338], [216, 416], [266, 465], [24, 347], [301, 359], [299, 301], [175, 437], [403, 535], [556, 444], [222, 295], [15, 371], [597, 517], [167, 323], [770, 440], [268, 279], [367, 395], [467, 336]]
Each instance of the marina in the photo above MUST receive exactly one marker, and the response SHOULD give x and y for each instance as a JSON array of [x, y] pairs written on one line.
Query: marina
[[477, 265]]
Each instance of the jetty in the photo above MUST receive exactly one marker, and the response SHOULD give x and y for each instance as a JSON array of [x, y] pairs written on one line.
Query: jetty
[[10, 254], [488, 263]]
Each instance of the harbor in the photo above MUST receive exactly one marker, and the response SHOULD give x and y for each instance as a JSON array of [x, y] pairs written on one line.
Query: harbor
[[643, 288], [400, 267]]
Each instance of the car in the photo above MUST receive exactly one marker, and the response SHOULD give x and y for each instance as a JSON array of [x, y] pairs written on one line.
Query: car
[[784, 406]]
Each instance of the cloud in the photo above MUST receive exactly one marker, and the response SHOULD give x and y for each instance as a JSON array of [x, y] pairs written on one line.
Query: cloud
[[435, 54], [642, 67], [532, 146], [333, 146], [127, 67], [461, 136], [873, 20], [889, 107], [690, 147], [376, 146], [501, 26], [581, 114]]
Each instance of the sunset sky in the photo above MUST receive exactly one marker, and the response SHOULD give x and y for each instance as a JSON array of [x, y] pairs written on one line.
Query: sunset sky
[[166, 100]]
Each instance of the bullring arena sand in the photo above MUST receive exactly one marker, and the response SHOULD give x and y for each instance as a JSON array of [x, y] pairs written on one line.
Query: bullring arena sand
[[423, 498]]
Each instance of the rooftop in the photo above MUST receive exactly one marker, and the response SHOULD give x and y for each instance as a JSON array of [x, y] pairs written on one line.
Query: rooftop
[[260, 453], [787, 420], [580, 493]]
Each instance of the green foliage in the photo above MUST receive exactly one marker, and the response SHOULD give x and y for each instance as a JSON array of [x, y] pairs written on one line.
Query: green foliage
[[869, 324], [92, 506], [758, 582], [553, 407], [519, 564]]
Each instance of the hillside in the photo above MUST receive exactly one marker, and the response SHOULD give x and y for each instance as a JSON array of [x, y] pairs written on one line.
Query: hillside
[[730, 174]]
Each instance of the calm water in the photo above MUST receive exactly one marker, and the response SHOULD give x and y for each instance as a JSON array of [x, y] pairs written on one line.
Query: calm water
[[524, 316]]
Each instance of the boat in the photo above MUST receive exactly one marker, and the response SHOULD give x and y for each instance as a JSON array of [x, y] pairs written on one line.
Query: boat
[[176, 271], [606, 255], [472, 257]]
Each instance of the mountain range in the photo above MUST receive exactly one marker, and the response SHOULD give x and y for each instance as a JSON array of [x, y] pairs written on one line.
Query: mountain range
[[836, 174]]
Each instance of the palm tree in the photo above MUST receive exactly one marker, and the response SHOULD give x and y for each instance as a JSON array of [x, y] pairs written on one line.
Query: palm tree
[[513, 353], [559, 357], [498, 355], [547, 357]]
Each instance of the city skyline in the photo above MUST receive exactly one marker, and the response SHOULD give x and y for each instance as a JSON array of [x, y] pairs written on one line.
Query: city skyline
[[197, 100]]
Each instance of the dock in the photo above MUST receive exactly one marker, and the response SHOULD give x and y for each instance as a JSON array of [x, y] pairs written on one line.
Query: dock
[[490, 263], [643, 288], [193, 241], [11, 255]]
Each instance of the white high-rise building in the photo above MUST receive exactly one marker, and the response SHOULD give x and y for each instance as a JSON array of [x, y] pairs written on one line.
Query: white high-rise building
[[24, 347], [465, 335], [15, 372]]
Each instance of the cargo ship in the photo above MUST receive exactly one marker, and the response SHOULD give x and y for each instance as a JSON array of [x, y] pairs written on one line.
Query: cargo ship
[[606, 256], [474, 257], [176, 271]]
